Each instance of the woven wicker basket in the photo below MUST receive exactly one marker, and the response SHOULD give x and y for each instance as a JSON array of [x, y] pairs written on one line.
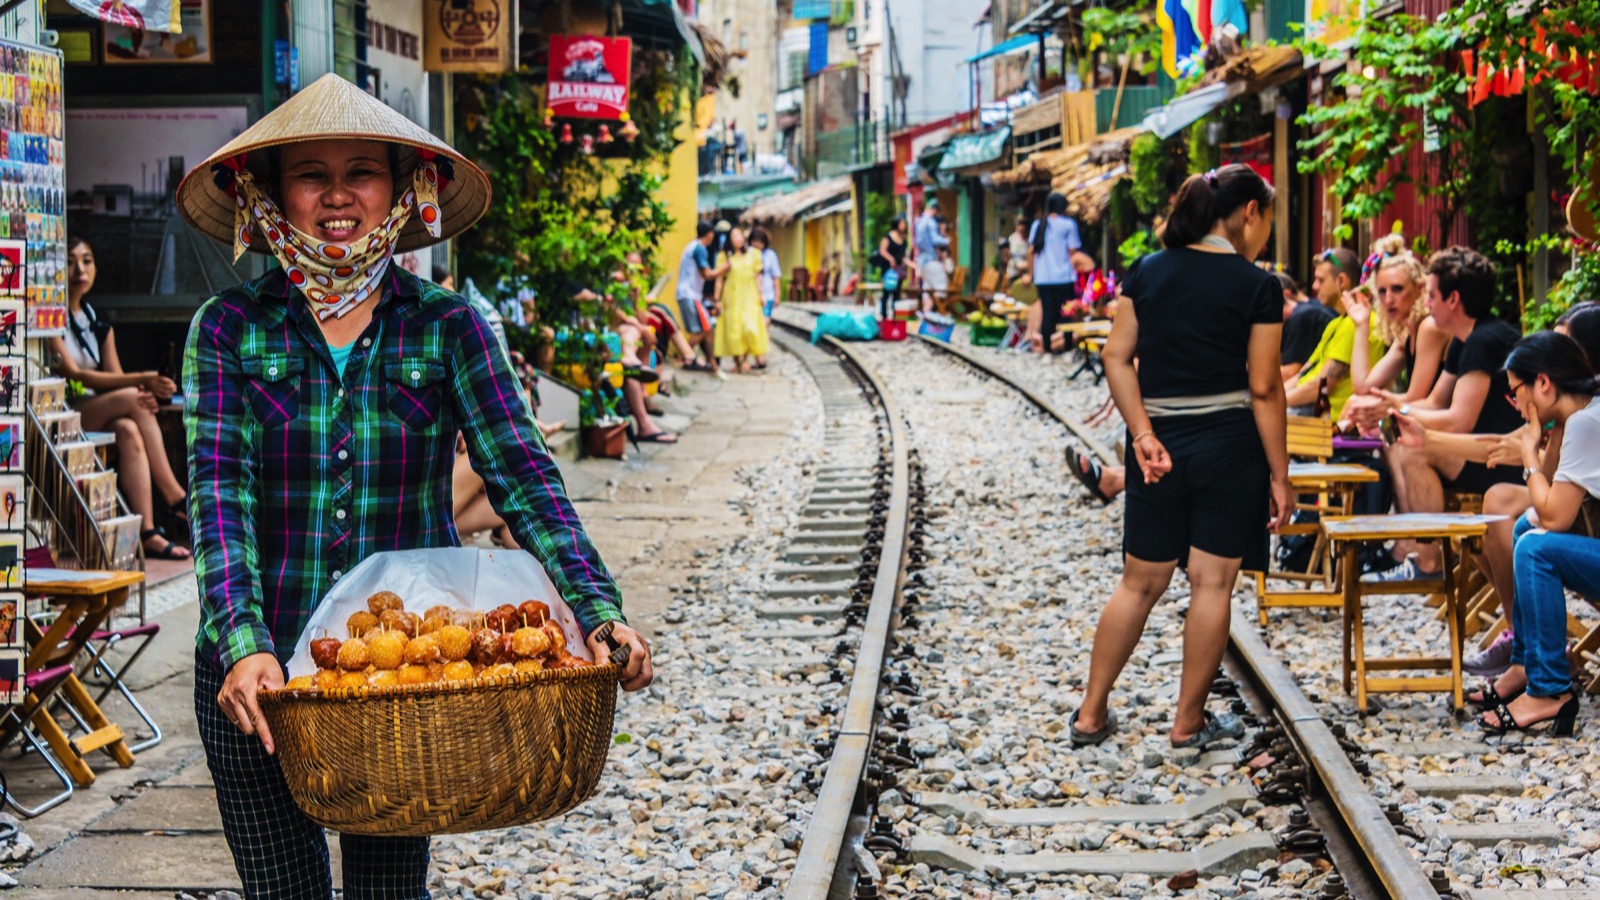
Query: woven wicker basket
[[445, 757]]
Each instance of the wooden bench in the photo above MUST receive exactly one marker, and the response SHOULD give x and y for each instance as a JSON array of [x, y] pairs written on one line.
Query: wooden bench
[[1459, 534]]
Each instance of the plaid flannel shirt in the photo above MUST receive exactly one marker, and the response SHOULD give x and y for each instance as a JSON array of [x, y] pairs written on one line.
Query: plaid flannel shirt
[[296, 475]]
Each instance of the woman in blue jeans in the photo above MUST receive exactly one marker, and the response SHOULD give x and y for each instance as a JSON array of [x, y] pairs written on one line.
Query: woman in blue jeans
[[1552, 383]]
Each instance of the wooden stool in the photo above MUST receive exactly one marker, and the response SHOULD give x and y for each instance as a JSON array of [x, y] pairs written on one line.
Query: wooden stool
[[1335, 485], [1346, 535]]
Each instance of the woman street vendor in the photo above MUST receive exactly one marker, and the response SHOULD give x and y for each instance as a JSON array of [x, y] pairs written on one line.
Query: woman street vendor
[[322, 405]]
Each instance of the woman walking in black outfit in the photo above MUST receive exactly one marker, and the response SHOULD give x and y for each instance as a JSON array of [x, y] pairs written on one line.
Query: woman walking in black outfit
[[1206, 424], [891, 255]]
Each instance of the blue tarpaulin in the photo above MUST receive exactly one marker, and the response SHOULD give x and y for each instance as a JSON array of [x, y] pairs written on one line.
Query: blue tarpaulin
[[1015, 45], [818, 58]]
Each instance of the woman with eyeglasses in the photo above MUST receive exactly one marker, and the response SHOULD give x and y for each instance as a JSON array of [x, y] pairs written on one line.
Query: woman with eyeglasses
[[1416, 342], [1552, 383]]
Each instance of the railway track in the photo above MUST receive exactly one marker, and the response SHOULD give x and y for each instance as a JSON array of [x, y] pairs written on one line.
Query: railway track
[[1315, 767]]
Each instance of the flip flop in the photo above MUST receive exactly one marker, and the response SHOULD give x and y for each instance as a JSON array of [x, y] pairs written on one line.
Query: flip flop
[[1225, 727], [170, 551], [660, 437], [1091, 738], [1090, 476]]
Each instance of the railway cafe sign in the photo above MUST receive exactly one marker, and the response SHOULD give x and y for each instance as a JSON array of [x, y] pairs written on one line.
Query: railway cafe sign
[[589, 76], [467, 35]]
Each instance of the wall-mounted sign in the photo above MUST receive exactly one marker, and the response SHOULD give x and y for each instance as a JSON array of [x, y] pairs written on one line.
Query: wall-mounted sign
[[589, 76], [468, 36]]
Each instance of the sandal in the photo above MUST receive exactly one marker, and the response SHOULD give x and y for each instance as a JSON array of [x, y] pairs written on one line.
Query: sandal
[[1562, 724], [1225, 727], [170, 550], [1088, 472], [178, 512], [1488, 699], [1091, 738], [641, 374], [696, 366]]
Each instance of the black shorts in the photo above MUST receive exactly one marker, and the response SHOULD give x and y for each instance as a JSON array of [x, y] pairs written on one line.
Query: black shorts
[[1215, 498], [1477, 478]]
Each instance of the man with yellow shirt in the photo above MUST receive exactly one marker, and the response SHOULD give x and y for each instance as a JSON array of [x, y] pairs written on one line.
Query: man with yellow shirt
[[1337, 271]]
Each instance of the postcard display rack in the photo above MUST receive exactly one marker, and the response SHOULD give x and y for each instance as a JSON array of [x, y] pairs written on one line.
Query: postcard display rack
[[33, 278]]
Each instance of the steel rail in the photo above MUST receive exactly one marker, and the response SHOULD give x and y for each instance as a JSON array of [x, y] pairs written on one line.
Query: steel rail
[[825, 835], [1367, 832]]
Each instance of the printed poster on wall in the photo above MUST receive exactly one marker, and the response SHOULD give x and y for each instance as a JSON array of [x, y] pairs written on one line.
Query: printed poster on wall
[[468, 36], [589, 76], [135, 42]]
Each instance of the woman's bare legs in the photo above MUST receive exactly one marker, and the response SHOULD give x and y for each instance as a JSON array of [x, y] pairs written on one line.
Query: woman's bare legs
[[1511, 501], [479, 515], [142, 466], [1121, 626], [465, 485]]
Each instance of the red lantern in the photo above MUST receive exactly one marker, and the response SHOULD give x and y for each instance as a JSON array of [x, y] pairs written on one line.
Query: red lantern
[[588, 143], [605, 134], [629, 131], [566, 134]]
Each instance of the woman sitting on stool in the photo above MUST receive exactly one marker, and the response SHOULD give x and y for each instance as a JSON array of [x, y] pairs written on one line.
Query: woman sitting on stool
[[123, 402], [1207, 436], [1556, 548]]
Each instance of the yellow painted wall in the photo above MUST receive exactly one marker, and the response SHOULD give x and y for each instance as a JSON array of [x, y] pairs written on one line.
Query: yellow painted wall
[[789, 242], [681, 191]]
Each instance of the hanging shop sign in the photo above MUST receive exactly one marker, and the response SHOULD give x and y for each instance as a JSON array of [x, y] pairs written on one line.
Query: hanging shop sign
[[125, 40], [589, 76], [468, 36]]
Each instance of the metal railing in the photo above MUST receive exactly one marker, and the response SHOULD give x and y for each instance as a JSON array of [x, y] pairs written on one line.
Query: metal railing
[[862, 143]]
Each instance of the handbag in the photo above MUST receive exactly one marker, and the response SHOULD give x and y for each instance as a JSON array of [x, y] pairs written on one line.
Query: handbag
[[1587, 524]]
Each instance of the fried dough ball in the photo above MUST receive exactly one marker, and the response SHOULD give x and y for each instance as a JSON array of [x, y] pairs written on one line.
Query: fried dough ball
[[360, 623], [432, 624], [422, 649], [455, 642], [325, 652], [470, 619], [485, 646], [353, 680], [534, 613], [438, 611], [529, 642], [400, 620], [410, 673], [435, 671], [325, 679], [503, 618], [384, 600], [300, 683], [388, 649], [354, 655], [499, 670], [460, 670], [383, 678], [558, 638], [528, 666]]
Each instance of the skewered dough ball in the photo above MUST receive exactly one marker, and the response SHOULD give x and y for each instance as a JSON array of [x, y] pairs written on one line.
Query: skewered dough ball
[[455, 642], [534, 613], [400, 620], [438, 611], [558, 638], [353, 680], [383, 678], [504, 618], [360, 623], [485, 646], [499, 670], [529, 642], [383, 600], [354, 655], [388, 649], [431, 624], [325, 652], [435, 672], [460, 670], [300, 683], [422, 649], [325, 679], [528, 666], [410, 673]]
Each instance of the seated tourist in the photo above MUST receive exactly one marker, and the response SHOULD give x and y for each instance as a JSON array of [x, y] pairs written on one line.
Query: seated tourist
[[1470, 397], [124, 403], [1327, 370], [1416, 342], [1304, 321], [1556, 548]]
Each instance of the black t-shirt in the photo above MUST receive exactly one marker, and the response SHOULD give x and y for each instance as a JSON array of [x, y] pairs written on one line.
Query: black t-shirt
[[1195, 313], [1485, 350], [1303, 330]]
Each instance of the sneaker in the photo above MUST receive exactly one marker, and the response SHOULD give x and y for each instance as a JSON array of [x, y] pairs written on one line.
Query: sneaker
[[1406, 571], [1377, 559], [1492, 660]]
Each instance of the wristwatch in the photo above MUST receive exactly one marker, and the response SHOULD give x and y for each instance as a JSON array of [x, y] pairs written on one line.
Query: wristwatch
[[1404, 410]]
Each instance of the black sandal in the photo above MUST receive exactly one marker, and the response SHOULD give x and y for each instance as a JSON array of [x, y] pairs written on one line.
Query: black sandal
[[169, 551], [1488, 699], [178, 512], [1562, 724], [1090, 476]]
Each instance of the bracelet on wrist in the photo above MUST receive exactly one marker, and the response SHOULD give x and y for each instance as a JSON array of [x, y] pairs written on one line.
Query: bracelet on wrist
[[1148, 432]]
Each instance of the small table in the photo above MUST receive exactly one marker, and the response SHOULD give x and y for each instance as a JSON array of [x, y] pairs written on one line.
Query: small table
[[1336, 485], [86, 600], [1347, 534]]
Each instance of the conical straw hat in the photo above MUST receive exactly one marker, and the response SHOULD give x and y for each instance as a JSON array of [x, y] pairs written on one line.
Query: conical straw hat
[[334, 108]]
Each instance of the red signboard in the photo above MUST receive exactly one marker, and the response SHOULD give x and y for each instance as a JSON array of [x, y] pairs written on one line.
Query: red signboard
[[589, 76]]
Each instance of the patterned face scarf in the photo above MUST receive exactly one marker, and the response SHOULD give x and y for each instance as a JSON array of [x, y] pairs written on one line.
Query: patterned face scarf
[[335, 278]]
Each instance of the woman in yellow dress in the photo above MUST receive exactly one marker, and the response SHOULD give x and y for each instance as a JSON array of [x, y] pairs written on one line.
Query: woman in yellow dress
[[741, 333]]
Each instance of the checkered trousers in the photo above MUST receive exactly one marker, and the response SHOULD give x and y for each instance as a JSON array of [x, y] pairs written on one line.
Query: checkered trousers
[[281, 854]]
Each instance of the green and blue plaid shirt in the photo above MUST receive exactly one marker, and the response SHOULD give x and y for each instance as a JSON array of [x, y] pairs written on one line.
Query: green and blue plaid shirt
[[297, 475]]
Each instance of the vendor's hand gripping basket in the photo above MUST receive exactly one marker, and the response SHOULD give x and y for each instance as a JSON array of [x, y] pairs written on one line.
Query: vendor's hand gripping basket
[[447, 757]]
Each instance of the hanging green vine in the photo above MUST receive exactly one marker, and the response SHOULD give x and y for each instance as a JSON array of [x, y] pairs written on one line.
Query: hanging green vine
[[1149, 162]]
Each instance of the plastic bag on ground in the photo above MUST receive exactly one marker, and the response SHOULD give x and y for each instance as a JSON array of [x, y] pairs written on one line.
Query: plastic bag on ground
[[846, 325]]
